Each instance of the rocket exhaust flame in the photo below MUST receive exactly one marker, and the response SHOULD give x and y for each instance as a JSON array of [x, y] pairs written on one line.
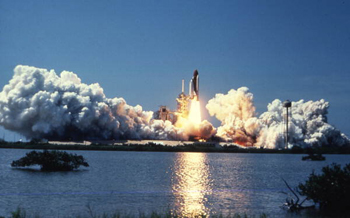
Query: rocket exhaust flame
[[191, 120], [195, 113]]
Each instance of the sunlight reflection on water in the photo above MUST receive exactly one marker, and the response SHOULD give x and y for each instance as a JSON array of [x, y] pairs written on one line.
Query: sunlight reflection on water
[[187, 184], [191, 184]]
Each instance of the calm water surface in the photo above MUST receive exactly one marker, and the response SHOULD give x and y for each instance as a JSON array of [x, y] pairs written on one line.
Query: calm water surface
[[130, 182]]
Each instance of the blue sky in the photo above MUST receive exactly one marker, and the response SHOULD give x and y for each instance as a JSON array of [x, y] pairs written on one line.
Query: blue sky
[[141, 50]]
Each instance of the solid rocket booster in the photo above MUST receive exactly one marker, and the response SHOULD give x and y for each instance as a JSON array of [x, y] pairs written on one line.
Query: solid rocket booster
[[194, 86]]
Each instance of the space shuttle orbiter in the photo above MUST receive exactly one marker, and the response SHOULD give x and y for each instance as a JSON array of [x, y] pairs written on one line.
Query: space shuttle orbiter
[[194, 86]]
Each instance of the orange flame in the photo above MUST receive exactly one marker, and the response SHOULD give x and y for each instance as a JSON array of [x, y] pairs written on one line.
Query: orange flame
[[195, 113]]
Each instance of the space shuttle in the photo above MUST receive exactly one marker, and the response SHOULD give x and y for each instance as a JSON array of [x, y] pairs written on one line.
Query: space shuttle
[[194, 86]]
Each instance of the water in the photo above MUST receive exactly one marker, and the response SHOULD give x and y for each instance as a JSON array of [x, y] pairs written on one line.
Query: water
[[133, 182]]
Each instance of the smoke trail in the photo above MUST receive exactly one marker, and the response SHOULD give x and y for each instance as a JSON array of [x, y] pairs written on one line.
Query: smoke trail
[[308, 124], [38, 103]]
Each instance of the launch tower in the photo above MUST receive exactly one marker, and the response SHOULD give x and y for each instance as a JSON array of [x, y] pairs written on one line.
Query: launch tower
[[182, 102], [287, 104]]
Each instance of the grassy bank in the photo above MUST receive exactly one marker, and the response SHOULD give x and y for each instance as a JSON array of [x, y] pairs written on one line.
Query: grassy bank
[[20, 213]]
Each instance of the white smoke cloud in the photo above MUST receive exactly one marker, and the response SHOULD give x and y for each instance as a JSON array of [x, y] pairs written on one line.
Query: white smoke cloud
[[235, 110], [38, 103], [307, 127]]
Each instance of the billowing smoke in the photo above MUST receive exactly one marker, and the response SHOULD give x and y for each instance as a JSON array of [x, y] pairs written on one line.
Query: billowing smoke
[[38, 103], [202, 130], [307, 127], [234, 110]]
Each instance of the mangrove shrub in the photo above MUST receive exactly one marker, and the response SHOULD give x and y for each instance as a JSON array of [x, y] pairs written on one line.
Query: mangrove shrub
[[330, 189], [51, 161]]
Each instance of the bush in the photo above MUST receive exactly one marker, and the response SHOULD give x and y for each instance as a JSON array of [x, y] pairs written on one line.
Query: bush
[[51, 161], [331, 189]]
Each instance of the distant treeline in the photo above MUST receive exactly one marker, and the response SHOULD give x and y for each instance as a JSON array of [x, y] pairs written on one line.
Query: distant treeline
[[192, 147]]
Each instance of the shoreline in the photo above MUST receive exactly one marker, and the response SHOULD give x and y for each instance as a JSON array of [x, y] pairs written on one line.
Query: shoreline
[[205, 147]]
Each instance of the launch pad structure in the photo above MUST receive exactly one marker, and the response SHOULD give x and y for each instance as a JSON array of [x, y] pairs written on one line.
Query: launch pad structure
[[287, 104], [183, 100], [164, 113]]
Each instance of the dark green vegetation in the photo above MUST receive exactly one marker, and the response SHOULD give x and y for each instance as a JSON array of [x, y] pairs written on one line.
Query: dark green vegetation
[[51, 161], [20, 213], [330, 189], [313, 157], [191, 147]]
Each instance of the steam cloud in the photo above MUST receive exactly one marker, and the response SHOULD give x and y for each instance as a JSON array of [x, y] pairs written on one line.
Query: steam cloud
[[308, 125], [38, 103]]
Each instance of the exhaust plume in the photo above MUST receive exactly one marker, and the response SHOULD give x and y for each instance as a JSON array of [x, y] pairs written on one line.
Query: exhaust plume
[[38, 104], [307, 127], [235, 110]]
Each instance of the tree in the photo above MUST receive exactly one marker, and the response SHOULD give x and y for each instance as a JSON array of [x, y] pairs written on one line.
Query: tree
[[330, 189], [51, 161]]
